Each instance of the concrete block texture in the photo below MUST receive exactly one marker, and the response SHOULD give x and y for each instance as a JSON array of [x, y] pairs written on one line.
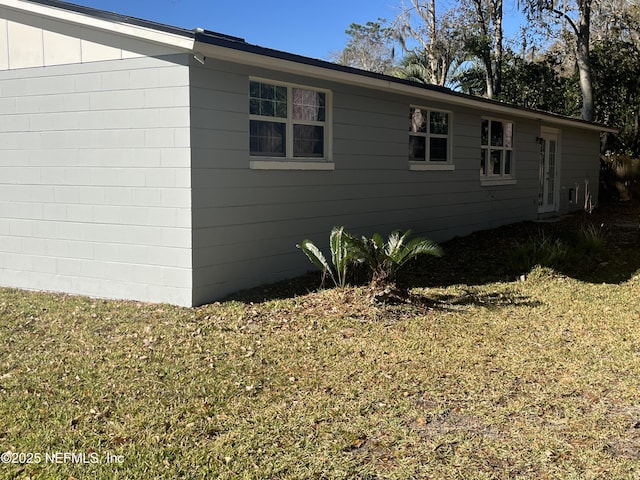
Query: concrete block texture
[[95, 179]]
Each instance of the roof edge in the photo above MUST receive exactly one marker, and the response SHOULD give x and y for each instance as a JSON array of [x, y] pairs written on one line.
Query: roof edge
[[237, 49], [377, 80], [105, 20]]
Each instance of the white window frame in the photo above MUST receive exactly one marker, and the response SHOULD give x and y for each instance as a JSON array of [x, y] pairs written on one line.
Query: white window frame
[[288, 161], [427, 164], [489, 178]]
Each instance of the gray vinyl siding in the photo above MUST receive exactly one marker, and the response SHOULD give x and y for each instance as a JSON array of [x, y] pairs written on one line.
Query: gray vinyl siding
[[246, 222], [580, 165], [95, 179]]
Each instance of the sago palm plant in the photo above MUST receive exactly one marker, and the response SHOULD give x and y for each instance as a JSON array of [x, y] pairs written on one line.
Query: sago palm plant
[[385, 259], [382, 258], [341, 255]]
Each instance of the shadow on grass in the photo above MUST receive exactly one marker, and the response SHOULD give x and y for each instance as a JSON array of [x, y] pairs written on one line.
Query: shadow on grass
[[487, 256], [470, 298]]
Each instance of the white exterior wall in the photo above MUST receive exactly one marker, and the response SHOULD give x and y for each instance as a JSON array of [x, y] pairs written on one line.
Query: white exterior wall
[[95, 173]]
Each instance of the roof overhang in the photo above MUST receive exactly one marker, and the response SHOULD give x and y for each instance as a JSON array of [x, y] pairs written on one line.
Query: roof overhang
[[247, 54], [75, 14]]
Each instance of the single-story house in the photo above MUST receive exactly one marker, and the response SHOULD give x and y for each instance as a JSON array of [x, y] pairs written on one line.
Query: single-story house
[[149, 162]]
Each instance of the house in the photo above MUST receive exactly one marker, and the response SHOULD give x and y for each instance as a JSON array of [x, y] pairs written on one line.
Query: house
[[144, 161]]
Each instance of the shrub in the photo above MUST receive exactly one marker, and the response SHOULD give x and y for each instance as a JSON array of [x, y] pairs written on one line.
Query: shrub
[[382, 259], [540, 250], [385, 259], [592, 238], [341, 256], [574, 251]]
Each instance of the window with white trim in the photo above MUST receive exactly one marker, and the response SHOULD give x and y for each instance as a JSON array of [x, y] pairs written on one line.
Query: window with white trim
[[288, 122], [429, 136], [496, 154]]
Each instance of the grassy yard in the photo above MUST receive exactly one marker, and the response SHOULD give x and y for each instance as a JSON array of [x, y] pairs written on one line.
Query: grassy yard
[[485, 375]]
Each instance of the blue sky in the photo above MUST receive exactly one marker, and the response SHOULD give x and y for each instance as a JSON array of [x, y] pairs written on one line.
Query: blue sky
[[309, 28]]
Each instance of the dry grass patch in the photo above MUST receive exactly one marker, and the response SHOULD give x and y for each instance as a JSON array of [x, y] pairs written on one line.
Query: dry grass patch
[[534, 379]]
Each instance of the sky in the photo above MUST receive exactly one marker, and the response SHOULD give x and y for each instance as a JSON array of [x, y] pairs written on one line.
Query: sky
[[308, 28]]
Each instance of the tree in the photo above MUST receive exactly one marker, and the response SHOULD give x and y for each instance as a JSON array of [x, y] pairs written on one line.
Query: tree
[[539, 84], [616, 70], [445, 41], [472, 80], [576, 14], [369, 48], [440, 46], [484, 40], [616, 20]]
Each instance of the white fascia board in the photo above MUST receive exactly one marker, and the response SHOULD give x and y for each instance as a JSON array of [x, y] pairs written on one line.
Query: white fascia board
[[168, 39], [274, 63]]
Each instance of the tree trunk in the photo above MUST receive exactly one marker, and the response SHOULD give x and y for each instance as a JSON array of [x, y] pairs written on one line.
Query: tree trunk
[[498, 48], [582, 59], [433, 35]]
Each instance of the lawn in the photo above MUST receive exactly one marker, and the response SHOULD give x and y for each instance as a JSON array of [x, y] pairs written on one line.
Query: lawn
[[488, 373]]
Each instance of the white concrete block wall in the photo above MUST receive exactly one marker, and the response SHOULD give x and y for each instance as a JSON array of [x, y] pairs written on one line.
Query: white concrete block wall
[[95, 179]]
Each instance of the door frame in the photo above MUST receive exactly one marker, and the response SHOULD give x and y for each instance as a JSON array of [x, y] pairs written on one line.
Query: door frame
[[547, 134]]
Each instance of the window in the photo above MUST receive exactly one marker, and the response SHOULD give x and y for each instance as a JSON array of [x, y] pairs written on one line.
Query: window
[[496, 154], [287, 123], [429, 138]]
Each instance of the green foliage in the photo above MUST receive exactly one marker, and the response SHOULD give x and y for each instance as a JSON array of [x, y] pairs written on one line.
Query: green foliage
[[317, 258], [591, 239], [385, 259], [568, 251], [541, 84], [415, 67], [472, 80], [616, 69], [382, 258], [340, 256], [540, 250], [370, 47]]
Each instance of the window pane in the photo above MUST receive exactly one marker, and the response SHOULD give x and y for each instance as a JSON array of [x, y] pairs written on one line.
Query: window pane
[[267, 100], [485, 132], [439, 123], [267, 108], [254, 106], [417, 148], [483, 161], [438, 149], [254, 89], [495, 167], [267, 139], [267, 91], [308, 141], [308, 105], [507, 162], [508, 135], [417, 121], [281, 94], [497, 134]]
